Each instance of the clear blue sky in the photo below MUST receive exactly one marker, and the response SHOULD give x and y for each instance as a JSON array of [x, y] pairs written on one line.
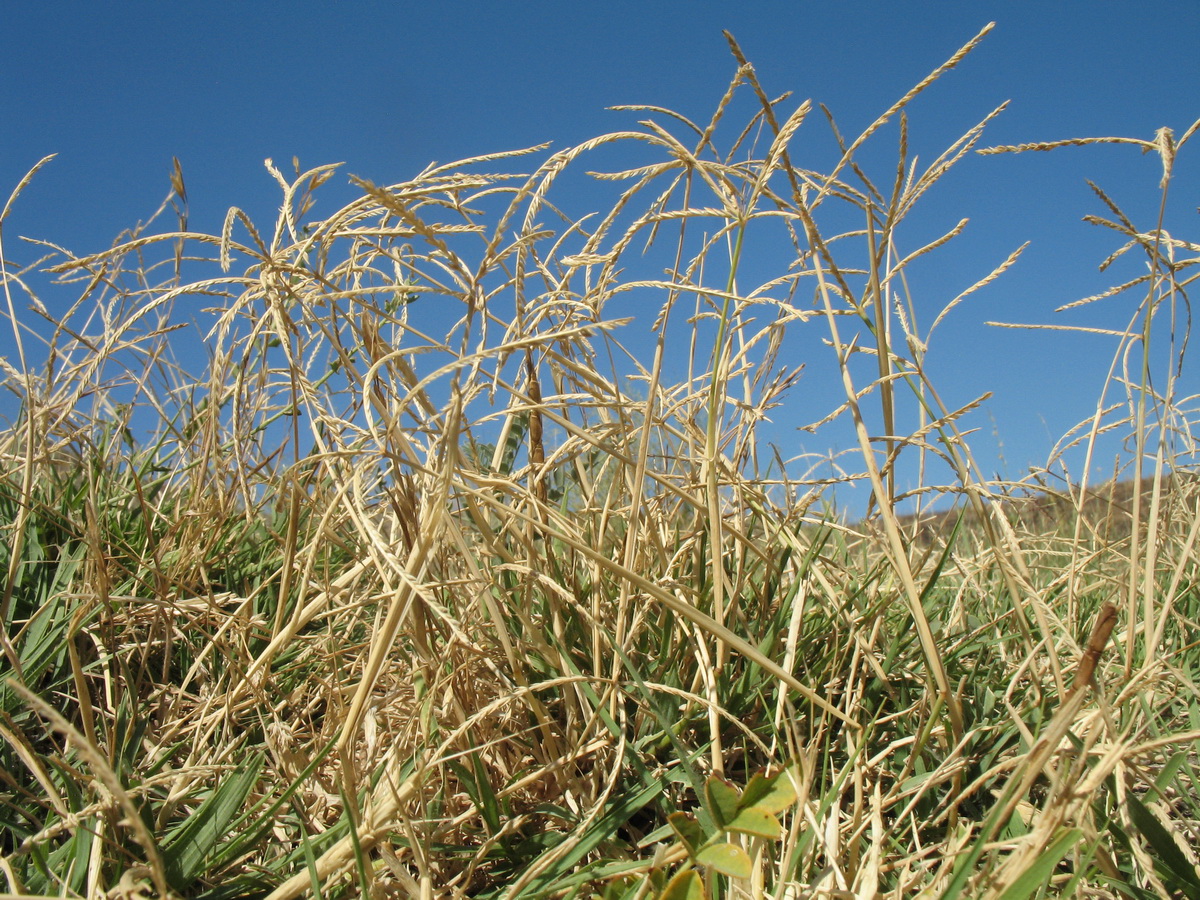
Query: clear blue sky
[[117, 90]]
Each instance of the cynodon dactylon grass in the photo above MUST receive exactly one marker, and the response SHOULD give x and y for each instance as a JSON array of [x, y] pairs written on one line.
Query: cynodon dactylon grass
[[418, 580]]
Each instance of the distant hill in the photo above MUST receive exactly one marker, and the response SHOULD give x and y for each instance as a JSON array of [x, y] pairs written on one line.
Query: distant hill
[[1107, 509]]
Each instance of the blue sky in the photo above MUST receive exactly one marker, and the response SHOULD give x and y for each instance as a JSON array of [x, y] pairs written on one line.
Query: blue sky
[[117, 90]]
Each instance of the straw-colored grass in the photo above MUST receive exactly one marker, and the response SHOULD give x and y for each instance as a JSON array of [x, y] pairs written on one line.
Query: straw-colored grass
[[428, 572]]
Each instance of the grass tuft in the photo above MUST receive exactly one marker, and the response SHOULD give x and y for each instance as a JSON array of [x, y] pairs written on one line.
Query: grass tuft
[[381, 553]]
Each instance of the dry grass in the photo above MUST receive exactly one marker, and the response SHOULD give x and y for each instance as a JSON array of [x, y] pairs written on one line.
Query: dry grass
[[426, 584]]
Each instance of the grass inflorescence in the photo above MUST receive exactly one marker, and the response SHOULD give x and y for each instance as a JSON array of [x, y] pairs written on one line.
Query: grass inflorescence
[[424, 579]]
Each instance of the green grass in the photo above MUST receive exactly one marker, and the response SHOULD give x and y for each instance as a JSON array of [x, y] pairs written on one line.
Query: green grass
[[425, 585]]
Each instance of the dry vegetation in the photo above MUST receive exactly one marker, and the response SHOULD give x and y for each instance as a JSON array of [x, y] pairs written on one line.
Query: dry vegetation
[[424, 585]]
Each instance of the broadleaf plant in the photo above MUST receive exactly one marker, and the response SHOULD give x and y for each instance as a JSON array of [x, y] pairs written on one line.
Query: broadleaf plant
[[751, 813]]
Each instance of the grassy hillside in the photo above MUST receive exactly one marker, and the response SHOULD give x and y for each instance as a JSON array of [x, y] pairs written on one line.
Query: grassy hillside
[[359, 555]]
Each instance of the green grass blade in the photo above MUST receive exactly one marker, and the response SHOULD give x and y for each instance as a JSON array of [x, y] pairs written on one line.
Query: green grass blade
[[1169, 862], [1033, 879], [186, 850]]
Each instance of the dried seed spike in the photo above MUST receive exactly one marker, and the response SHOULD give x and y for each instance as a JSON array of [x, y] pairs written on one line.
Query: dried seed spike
[[911, 95], [990, 277], [177, 179], [1043, 146], [1105, 622], [1164, 140], [1195, 126], [23, 182]]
